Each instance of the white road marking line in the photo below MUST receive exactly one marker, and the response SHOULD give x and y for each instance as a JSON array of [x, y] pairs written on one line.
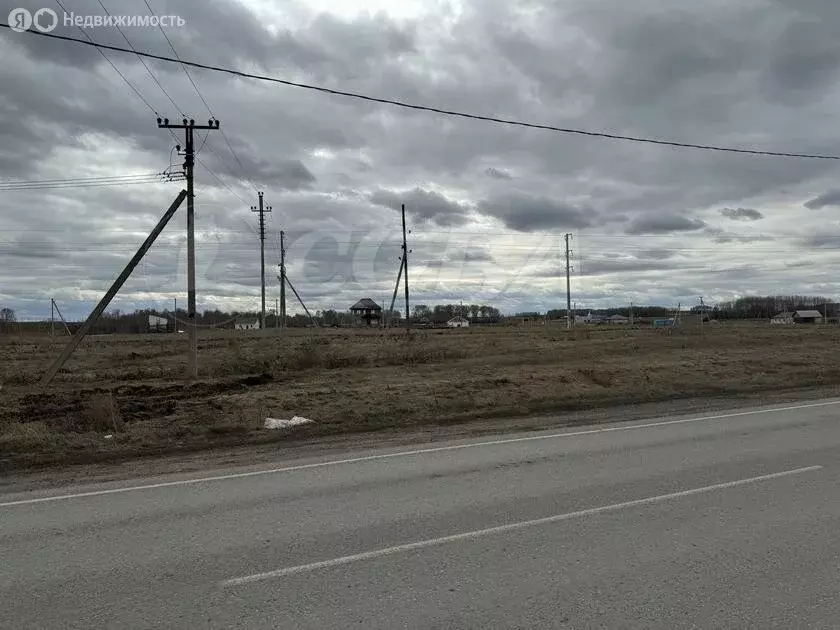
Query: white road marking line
[[501, 529], [420, 451]]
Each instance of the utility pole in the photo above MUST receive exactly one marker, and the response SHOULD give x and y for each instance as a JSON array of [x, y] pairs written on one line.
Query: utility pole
[[61, 317], [52, 317], [189, 128], [405, 269], [262, 210], [394, 297], [276, 312], [631, 313], [702, 314], [568, 285], [175, 313], [282, 280]]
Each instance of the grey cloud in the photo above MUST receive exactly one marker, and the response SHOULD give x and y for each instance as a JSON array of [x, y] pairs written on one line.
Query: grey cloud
[[527, 213], [663, 223], [496, 173], [828, 198], [470, 254], [712, 72], [821, 241], [656, 254], [742, 214], [722, 236], [425, 205], [608, 266]]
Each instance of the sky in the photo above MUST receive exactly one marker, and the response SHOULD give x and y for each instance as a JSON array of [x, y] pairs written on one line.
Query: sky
[[487, 205]]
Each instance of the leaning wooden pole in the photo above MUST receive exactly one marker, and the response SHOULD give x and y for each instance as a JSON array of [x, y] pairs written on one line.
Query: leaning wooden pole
[[291, 286], [394, 297], [103, 303]]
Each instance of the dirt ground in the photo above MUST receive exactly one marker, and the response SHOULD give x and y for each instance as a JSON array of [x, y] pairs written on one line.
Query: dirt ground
[[123, 396]]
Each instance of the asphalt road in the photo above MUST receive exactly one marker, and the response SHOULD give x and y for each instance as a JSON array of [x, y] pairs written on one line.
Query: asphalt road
[[729, 520]]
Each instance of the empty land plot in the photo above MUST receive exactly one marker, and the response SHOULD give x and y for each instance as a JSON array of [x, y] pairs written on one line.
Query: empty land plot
[[132, 388]]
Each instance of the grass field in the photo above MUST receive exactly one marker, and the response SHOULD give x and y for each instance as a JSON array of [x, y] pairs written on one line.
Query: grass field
[[132, 388]]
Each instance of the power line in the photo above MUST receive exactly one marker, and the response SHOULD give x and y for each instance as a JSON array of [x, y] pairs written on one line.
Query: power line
[[111, 63], [200, 95], [437, 110], [80, 179], [175, 52], [229, 169], [219, 179], [91, 185], [140, 57]]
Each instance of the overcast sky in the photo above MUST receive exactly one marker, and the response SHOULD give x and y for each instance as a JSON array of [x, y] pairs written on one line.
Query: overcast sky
[[487, 204]]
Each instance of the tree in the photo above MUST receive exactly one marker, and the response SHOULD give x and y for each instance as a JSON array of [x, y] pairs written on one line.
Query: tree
[[420, 312], [7, 318]]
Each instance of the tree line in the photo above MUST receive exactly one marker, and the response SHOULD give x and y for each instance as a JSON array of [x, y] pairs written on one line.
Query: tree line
[[760, 307], [442, 313], [748, 307]]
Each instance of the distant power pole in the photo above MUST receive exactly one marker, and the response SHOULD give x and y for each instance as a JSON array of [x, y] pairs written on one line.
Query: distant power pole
[[282, 279], [568, 285], [262, 210], [189, 128], [52, 317], [405, 270], [631, 313], [702, 314]]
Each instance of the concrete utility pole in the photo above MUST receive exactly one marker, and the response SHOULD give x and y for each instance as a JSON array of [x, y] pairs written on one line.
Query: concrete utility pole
[[405, 269], [262, 210], [282, 279], [568, 285], [189, 128], [52, 317], [60, 316]]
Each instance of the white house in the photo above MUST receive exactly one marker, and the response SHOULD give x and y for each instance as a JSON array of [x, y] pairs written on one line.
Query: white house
[[589, 318], [782, 318], [247, 324], [619, 319], [458, 322]]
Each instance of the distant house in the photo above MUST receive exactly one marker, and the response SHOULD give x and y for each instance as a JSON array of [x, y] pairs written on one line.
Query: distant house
[[158, 324], [458, 322], [367, 311], [247, 324], [618, 319], [782, 318], [807, 317], [591, 319]]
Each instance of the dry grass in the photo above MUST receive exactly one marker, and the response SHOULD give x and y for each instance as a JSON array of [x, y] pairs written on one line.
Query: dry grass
[[133, 387]]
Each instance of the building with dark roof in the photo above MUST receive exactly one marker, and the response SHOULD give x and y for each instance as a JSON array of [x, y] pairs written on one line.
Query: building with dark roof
[[367, 311]]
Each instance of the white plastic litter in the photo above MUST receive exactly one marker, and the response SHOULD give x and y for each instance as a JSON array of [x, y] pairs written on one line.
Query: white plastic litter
[[108, 437], [280, 423]]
